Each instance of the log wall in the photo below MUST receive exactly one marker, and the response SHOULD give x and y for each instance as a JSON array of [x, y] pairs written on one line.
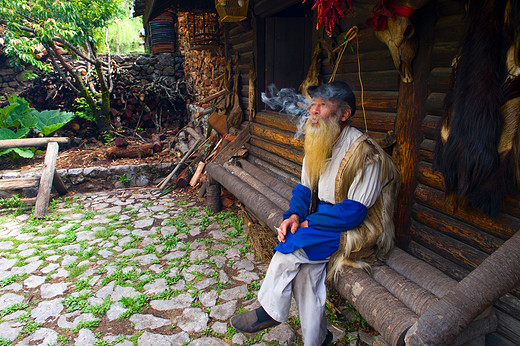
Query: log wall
[[454, 240]]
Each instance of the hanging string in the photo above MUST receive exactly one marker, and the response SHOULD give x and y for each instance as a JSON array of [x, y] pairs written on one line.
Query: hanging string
[[349, 36]]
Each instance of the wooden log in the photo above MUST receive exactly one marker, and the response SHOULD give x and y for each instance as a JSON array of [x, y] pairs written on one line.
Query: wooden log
[[287, 153], [503, 225], [192, 132], [456, 229], [439, 79], [19, 183], [447, 247], [494, 277], [278, 161], [420, 272], [31, 142], [262, 207], [156, 141], [280, 187], [196, 176], [377, 121], [429, 126], [277, 136], [131, 151], [120, 142], [211, 97], [282, 175], [427, 176], [389, 316], [423, 253], [44, 191], [376, 80], [275, 120], [434, 102], [415, 297], [259, 186]]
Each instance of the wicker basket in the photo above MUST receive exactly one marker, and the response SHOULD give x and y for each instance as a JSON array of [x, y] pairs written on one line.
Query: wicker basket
[[232, 10]]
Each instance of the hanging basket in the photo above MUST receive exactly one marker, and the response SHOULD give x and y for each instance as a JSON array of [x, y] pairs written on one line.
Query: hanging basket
[[232, 10]]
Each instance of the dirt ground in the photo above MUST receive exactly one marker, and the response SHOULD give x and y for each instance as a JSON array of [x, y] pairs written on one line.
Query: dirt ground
[[88, 155]]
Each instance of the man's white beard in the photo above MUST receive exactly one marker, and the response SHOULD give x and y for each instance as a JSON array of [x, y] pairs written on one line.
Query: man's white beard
[[319, 139]]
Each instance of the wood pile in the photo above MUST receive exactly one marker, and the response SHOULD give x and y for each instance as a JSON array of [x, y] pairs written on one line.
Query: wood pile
[[136, 104], [204, 67]]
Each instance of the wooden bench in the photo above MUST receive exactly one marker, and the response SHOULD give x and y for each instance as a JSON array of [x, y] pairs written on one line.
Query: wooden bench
[[405, 299], [49, 176]]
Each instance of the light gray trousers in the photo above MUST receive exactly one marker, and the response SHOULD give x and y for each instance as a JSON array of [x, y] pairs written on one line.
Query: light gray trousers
[[294, 273]]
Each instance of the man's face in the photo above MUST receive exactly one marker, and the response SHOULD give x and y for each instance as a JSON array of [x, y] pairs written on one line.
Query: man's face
[[322, 108]]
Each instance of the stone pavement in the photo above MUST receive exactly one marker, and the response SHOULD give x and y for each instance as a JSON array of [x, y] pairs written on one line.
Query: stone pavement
[[129, 267]]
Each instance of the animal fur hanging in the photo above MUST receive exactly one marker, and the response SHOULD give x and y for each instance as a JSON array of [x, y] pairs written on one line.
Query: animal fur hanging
[[475, 148]]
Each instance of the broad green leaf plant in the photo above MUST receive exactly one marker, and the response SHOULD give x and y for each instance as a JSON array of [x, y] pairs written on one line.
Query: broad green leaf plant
[[17, 119], [54, 28]]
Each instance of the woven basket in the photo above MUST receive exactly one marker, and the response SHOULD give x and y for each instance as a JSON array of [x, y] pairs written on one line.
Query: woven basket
[[232, 10]]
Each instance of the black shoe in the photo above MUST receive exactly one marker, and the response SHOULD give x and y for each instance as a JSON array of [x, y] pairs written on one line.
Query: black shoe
[[328, 339], [253, 321]]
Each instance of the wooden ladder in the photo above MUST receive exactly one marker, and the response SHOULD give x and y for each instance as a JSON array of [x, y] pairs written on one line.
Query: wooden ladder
[[49, 177]]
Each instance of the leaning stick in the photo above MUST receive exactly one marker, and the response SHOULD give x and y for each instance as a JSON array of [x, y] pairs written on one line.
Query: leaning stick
[[165, 182]]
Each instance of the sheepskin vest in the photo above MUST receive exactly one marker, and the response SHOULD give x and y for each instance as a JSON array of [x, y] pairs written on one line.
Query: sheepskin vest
[[374, 237]]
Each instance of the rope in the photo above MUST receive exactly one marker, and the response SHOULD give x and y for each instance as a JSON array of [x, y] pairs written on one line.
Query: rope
[[349, 36]]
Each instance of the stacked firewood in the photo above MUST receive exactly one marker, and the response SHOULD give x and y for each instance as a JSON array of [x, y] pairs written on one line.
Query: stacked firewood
[[204, 65]]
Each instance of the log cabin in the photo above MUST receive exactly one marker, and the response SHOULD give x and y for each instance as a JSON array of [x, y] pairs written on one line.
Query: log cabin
[[401, 94]]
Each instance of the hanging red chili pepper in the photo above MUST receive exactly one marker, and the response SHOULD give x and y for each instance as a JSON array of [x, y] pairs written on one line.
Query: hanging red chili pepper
[[330, 12]]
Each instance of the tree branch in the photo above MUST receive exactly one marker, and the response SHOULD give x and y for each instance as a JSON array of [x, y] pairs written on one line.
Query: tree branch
[[52, 55]]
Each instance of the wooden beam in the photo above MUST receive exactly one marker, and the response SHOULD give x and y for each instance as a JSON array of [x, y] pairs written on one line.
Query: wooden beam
[[44, 192], [410, 113], [31, 142]]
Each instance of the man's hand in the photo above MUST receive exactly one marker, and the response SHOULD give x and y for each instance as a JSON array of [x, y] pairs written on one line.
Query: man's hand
[[290, 224]]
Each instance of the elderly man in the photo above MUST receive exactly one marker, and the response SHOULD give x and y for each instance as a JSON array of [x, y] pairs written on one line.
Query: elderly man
[[344, 202]]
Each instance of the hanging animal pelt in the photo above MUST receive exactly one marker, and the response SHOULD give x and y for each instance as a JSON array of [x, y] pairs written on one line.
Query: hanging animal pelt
[[479, 127]]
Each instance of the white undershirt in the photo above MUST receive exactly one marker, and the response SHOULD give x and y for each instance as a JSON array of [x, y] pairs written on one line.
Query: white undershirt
[[364, 190]]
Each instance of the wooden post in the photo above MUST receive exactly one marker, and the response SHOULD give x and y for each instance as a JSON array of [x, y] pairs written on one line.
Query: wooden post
[[410, 113], [44, 192]]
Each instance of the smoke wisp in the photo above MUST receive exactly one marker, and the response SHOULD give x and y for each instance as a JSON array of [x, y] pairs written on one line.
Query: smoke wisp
[[288, 101]]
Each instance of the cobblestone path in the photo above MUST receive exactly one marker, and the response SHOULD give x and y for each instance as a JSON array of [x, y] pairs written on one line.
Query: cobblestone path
[[128, 267]]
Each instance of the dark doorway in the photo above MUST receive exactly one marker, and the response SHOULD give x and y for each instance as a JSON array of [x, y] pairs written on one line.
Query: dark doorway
[[284, 48]]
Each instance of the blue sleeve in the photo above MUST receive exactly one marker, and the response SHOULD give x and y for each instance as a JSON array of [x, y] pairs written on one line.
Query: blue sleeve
[[300, 202], [338, 217]]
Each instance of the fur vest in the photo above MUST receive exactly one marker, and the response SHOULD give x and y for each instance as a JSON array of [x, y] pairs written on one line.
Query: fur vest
[[374, 237]]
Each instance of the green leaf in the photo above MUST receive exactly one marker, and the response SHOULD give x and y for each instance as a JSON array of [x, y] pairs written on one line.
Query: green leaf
[[10, 134], [24, 152], [50, 121]]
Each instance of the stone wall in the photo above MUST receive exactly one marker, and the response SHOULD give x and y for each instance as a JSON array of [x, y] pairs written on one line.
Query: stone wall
[[12, 80]]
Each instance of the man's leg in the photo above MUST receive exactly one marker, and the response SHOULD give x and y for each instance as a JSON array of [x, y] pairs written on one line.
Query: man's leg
[[310, 293], [274, 296]]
